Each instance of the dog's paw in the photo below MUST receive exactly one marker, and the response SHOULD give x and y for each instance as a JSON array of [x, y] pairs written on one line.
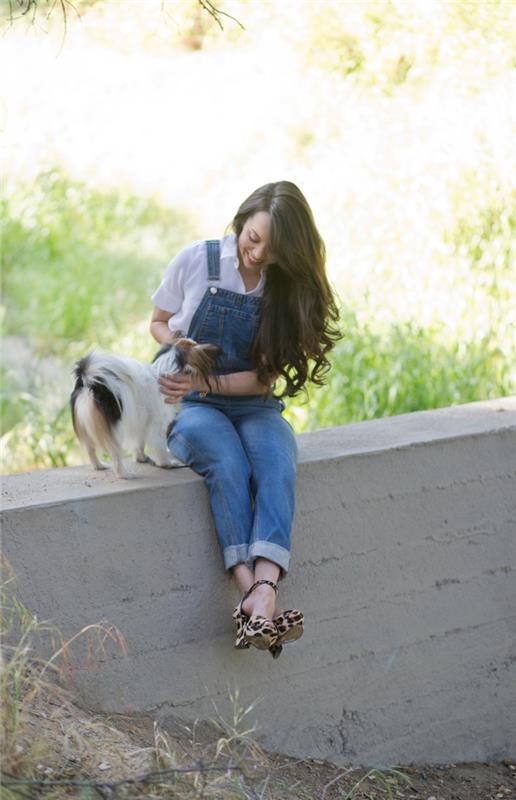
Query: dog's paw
[[173, 463], [99, 465], [143, 459], [126, 476]]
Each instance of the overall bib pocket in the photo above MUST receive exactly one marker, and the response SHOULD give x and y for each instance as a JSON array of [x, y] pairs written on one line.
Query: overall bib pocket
[[234, 331]]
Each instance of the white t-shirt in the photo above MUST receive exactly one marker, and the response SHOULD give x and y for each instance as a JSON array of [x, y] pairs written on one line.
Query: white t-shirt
[[186, 280]]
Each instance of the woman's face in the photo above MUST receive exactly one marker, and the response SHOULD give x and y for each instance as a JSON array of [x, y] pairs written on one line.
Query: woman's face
[[254, 252]]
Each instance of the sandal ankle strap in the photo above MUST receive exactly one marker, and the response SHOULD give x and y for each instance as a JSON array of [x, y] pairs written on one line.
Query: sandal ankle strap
[[253, 587], [269, 583]]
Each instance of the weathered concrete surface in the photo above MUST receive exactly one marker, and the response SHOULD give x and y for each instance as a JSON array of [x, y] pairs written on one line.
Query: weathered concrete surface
[[404, 561]]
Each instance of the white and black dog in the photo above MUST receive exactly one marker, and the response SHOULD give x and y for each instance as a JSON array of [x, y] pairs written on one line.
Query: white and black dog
[[116, 402]]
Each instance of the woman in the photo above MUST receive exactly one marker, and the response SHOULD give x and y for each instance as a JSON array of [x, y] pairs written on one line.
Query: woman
[[262, 295]]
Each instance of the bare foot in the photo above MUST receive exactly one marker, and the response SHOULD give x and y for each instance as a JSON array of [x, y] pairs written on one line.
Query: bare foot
[[262, 601]]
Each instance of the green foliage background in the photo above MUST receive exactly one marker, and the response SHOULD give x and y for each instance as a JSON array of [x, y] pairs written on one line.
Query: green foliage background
[[79, 262]]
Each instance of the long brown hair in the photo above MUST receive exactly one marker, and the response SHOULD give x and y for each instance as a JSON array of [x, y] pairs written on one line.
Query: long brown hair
[[298, 325]]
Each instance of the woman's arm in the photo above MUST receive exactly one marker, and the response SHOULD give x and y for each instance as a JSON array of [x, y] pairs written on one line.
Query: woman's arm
[[175, 386], [238, 383], [159, 327]]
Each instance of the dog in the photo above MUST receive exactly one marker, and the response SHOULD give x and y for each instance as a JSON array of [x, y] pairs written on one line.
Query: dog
[[116, 403]]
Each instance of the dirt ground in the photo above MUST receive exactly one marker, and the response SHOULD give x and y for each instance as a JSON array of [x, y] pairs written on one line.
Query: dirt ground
[[73, 744], [311, 779]]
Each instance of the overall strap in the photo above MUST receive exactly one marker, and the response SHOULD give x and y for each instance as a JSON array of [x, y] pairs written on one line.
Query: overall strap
[[213, 251]]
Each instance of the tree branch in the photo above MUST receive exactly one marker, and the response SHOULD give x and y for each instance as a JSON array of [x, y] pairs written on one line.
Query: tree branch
[[216, 13], [35, 5]]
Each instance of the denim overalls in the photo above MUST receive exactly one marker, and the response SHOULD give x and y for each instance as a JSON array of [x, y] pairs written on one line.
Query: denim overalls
[[241, 445]]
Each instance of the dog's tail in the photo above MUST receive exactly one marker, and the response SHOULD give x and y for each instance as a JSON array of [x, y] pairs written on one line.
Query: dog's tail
[[96, 403]]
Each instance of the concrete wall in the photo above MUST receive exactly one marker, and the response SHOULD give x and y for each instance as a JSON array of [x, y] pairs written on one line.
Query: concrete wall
[[404, 563]]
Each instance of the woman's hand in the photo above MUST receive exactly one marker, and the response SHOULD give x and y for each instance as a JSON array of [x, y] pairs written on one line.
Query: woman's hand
[[175, 385]]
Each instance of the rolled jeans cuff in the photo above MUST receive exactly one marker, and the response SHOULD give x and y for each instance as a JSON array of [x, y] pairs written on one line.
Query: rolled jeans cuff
[[273, 552], [235, 554]]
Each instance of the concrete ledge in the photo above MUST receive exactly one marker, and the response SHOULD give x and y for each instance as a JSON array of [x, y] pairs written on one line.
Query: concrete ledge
[[404, 562]]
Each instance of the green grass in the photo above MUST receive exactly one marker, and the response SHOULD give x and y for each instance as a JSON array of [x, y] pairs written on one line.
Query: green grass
[[78, 268], [78, 264], [402, 368]]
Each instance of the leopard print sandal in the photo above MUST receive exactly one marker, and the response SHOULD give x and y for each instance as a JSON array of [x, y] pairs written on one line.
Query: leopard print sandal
[[290, 627], [254, 630], [239, 621], [261, 632]]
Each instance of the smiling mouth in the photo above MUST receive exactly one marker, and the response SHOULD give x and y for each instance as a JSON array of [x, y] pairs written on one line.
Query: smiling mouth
[[253, 261]]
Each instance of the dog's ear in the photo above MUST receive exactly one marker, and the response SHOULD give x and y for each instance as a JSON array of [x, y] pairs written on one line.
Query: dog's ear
[[211, 350], [193, 352], [185, 344], [182, 348], [202, 359]]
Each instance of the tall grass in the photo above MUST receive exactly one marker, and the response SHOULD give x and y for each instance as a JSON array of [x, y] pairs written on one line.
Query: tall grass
[[402, 368], [79, 263], [78, 267], [31, 685]]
